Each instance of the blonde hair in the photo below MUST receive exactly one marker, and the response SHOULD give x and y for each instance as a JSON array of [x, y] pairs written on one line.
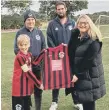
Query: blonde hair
[[93, 31], [23, 38]]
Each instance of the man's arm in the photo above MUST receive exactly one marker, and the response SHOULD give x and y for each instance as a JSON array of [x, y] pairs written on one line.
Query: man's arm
[[50, 40], [15, 44], [43, 43]]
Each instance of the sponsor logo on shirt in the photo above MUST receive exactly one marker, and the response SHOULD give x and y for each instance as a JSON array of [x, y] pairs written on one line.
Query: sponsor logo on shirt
[[56, 65], [37, 37]]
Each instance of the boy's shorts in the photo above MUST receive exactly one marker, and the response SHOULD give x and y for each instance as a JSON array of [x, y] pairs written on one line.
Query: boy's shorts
[[21, 103]]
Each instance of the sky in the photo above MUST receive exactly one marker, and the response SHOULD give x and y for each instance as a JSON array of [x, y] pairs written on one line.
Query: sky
[[93, 6], [96, 6]]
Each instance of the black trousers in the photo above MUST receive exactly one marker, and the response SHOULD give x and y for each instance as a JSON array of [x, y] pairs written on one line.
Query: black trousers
[[37, 98], [55, 95], [37, 92], [89, 106], [21, 103]]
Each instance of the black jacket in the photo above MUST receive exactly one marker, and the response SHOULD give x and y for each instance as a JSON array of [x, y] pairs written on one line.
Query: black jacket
[[58, 33], [37, 40], [86, 64]]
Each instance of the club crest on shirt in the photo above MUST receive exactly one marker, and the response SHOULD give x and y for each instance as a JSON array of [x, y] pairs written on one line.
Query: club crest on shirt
[[70, 27], [56, 29], [26, 62], [37, 37], [18, 107], [61, 54], [29, 59]]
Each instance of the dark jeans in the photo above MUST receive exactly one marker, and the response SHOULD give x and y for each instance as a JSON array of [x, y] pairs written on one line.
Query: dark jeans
[[55, 94], [74, 97], [38, 98], [37, 91], [89, 106]]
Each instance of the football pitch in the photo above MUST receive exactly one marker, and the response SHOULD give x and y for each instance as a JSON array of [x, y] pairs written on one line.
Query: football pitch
[[65, 102]]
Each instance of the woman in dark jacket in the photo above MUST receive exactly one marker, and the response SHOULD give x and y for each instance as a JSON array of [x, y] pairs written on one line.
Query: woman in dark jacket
[[85, 58]]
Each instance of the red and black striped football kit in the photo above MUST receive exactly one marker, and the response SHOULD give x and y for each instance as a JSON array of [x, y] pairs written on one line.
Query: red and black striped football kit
[[56, 72], [23, 82]]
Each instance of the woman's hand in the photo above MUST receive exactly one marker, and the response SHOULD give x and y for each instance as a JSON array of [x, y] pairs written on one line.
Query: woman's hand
[[75, 79]]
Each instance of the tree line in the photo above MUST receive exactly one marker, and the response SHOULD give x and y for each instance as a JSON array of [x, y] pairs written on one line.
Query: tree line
[[14, 20]]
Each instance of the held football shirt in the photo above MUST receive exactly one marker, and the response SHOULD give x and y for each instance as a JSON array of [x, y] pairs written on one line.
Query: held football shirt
[[56, 69]]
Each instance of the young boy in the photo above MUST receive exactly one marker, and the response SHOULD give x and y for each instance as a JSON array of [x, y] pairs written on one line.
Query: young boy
[[23, 78]]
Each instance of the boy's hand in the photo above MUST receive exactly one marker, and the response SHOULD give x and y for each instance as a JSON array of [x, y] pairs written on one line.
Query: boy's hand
[[64, 44], [41, 87], [75, 79]]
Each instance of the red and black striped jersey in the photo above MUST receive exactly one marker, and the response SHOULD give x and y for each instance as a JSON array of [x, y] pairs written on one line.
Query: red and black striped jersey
[[23, 82], [56, 69]]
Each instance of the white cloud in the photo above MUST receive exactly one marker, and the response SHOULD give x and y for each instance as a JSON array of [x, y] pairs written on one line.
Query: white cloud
[[95, 6]]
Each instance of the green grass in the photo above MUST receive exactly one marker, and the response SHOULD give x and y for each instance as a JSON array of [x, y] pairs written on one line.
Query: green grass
[[65, 103]]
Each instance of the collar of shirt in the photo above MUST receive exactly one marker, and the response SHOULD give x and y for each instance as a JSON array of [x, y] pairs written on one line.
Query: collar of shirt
[[28, 29], [85, 37], [20, 52], [68, 20]]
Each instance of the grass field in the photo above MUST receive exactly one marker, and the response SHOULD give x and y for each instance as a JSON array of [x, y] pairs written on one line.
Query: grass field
[[65, 103]]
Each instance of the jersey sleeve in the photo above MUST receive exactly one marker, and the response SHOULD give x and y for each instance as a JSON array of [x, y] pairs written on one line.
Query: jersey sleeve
[[29, 74], [39, 58]]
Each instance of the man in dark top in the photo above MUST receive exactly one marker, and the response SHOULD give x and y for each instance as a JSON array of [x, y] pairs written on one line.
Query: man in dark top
[[59, 31], [37, 43]]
